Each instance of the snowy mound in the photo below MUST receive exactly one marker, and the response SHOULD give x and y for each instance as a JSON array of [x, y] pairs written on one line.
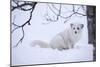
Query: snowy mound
[[37, 55]]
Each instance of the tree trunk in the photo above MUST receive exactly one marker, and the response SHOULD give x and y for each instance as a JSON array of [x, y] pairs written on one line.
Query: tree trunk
[[91, 21]]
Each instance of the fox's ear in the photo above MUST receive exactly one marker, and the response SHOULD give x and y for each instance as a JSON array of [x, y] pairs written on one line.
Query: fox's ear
[[71, 25], [82, 25]]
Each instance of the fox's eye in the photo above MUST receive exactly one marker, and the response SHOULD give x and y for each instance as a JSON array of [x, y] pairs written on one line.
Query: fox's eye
[[73, 28], [77, 28]]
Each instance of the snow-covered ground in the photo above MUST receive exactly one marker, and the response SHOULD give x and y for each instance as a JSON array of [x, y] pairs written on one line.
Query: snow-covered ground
[[37, 55], [25, 54]]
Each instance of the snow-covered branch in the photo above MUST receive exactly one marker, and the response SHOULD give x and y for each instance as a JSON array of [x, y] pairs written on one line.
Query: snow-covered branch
[[22, 5]]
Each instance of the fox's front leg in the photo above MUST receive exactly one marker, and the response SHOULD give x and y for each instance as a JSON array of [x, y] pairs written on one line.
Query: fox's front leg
[[70, 44]]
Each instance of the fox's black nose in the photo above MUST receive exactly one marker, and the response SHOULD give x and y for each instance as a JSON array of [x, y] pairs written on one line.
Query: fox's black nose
[[75, 32]]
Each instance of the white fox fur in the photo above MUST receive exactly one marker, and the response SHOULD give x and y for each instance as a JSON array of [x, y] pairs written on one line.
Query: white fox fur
[[63, 40]]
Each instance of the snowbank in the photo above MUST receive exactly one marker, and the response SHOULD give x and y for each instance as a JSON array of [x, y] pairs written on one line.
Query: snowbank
[[37, 55]]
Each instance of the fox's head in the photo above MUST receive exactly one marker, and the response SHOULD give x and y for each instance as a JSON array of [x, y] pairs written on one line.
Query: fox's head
[[76, 28]]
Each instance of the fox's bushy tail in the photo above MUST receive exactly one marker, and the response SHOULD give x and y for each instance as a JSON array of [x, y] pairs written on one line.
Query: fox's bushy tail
[[42, 44]]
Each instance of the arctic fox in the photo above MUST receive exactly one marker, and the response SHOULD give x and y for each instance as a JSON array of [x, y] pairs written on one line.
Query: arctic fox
[[63, 40]]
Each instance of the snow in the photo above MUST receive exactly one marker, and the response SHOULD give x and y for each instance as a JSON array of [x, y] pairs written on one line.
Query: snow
[[24, 54], [37, 55]]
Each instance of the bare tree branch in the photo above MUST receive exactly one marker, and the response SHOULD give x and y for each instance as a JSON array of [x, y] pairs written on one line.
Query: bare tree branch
[[75, 12], [32, 4], [73, 8], [21, 39], [57, 15], [24, 4]]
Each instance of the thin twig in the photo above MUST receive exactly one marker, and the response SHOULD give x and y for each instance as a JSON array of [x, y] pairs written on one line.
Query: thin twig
[[55, 7], [52, 10], [57, 15], [21, 38], [73, 8]]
